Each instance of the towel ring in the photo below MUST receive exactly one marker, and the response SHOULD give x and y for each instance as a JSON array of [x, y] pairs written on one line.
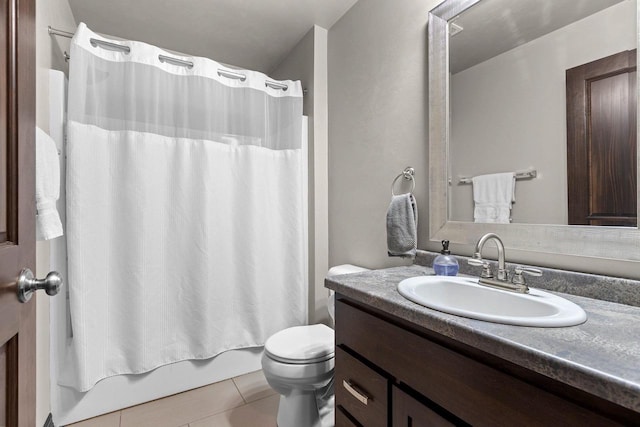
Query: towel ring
[[407, 173]]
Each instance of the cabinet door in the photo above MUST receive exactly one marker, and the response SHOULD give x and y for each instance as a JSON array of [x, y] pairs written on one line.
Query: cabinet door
[[360, 391], [408, 412], [342, 420]]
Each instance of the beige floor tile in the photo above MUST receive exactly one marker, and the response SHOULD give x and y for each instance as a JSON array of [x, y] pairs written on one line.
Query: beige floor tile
[[260, 413], [253, 386], [111, 419], [183, 408]]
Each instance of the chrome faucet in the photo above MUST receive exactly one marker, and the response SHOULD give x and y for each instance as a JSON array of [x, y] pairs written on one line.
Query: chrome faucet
[[501, 281], [502, 272]]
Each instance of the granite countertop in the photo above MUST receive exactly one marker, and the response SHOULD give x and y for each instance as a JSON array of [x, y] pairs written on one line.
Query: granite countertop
[[601, 356]]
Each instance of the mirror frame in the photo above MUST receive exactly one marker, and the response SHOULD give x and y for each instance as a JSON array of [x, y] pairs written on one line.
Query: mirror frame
[[621, 243]]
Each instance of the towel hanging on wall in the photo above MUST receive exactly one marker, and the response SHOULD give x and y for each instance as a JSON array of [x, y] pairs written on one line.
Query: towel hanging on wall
[[402, 226], [402, 219]]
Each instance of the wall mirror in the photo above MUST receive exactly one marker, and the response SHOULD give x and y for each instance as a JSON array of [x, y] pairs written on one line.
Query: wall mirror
[[500, 100]]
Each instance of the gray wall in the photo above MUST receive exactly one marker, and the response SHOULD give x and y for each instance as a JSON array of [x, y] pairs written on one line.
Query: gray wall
[[377, 123], [298, 65], [307, 62]]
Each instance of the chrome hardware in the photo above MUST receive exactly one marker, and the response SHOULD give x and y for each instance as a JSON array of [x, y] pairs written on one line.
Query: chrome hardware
[[175, 61], [27, 285], [408, 173], [355, 392], [502, 271], [54, 32], [501, 280], [528, 174], [231, 75], [486, 267], [275, 85], [518, 278], [110, 46]]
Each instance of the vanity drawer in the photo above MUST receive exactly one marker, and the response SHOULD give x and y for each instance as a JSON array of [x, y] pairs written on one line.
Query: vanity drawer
[[477, 393], [360, 391]]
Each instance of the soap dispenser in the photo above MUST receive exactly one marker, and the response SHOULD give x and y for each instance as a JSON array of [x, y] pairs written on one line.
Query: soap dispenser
[[445, 264]]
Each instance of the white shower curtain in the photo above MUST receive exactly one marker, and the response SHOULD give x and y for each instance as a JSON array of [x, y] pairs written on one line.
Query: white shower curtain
[[185, 210]]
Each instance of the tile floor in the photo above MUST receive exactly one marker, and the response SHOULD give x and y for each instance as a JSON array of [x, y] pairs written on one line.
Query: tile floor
[[244, 401]]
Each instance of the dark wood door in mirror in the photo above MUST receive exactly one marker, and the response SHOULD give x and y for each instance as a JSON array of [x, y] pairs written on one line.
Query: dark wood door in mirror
[[601, 141]]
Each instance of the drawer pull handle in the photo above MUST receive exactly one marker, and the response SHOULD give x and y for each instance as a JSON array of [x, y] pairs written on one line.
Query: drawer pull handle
[[355, 392]]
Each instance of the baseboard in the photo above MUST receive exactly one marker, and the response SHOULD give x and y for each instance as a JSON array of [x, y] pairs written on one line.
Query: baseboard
[[49, 422]]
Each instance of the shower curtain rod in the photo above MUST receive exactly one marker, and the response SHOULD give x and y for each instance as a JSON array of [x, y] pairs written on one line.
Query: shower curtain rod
[[164, 58], [54, 32]]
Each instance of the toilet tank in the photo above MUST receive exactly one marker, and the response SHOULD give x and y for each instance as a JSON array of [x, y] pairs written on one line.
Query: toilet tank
[[336, 271]]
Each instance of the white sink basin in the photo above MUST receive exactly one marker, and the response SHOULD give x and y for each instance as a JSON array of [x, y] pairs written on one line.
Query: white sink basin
[[463, 296]]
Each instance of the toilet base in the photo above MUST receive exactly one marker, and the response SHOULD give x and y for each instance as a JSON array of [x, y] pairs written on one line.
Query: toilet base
[[328, 412], [299, 408], [306, 408]]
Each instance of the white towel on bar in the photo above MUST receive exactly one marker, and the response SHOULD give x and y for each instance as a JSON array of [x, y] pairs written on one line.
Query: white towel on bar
[[48, 225], [493, 196]]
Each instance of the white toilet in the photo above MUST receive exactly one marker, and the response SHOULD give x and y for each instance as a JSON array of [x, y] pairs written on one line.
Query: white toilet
[[298, 363]]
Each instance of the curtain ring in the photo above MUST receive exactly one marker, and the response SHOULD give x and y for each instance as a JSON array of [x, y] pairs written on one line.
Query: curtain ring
[[407, 174]]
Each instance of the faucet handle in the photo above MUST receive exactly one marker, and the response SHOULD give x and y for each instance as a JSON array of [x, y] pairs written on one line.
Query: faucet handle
[[486, 268], [519, 271]]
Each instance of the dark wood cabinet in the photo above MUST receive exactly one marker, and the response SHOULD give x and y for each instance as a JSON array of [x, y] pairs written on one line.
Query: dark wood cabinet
[[342, 419], [431, 380], [361, 391], [407, 411]]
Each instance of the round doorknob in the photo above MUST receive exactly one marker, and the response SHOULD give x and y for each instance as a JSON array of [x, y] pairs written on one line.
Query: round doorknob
[[27, 285]]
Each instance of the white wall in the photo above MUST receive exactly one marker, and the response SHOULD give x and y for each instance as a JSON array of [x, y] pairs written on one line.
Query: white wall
[[49, 55], [509, 113], [307, 62], [377, 123]]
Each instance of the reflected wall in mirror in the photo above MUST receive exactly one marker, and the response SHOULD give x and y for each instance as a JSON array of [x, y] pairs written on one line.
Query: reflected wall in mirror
[[511, 110], [522, 141]]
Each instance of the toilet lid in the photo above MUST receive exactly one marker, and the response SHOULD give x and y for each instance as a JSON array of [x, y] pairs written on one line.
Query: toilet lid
[[301, 344]]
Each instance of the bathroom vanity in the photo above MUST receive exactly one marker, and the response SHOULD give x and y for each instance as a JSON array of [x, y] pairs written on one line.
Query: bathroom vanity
[[401, 364]]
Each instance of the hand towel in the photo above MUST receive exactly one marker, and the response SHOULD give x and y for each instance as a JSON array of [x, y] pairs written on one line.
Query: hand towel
[[402, 226], [493, 196], [48, 225]]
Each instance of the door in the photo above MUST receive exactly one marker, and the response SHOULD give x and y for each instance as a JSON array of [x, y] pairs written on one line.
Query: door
[[17, 210], [601, 141]]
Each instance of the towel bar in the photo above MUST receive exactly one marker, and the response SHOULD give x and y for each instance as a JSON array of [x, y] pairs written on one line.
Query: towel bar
[[519, 175]]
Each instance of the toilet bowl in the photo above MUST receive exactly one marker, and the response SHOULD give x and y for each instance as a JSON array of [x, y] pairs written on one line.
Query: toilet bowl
[[298, 363]]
